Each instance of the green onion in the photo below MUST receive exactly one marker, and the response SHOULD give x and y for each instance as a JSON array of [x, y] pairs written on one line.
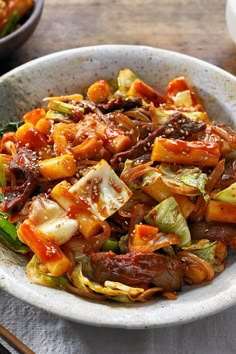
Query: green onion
[[10, 24], [55, 282], [8, 236], [111, 245], [65, 108], [11, 127]]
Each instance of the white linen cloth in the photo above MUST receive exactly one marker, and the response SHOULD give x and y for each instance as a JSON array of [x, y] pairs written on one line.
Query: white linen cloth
[[45, 333]]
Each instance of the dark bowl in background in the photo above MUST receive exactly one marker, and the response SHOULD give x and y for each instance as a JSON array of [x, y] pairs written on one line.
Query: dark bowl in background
[[15, 39]]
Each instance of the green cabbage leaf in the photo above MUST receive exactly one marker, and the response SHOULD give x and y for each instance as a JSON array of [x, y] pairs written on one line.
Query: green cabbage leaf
[[168, 218]]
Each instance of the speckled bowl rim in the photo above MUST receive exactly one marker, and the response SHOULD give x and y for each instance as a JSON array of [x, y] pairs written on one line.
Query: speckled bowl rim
[[192, 304]]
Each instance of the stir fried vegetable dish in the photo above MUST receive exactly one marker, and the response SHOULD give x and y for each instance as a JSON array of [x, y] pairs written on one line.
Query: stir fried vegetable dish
[[11, 14], [122, 192]]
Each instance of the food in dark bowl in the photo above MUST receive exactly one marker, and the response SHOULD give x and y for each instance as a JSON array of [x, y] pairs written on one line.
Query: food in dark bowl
[[18, 20], [12, 15]]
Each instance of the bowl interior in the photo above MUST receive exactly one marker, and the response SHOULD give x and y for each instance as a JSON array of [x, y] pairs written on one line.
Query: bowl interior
[[69, 72]]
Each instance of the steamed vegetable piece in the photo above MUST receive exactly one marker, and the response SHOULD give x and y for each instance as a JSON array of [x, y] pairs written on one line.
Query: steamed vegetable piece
[[36, 273], [167, 217], [121, 193], [61, 110], [197, 269], [161, 191], [212, 252], [102, 190]]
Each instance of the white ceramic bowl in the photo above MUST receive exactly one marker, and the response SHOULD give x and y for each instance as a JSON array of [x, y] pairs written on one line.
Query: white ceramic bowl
[[69, 72], [230, 15]]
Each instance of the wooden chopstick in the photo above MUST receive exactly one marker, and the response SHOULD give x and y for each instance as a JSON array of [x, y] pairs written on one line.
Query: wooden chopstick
[[14, 341]]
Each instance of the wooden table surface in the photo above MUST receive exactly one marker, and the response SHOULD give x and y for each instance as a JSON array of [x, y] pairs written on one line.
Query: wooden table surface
[[196, 28]]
